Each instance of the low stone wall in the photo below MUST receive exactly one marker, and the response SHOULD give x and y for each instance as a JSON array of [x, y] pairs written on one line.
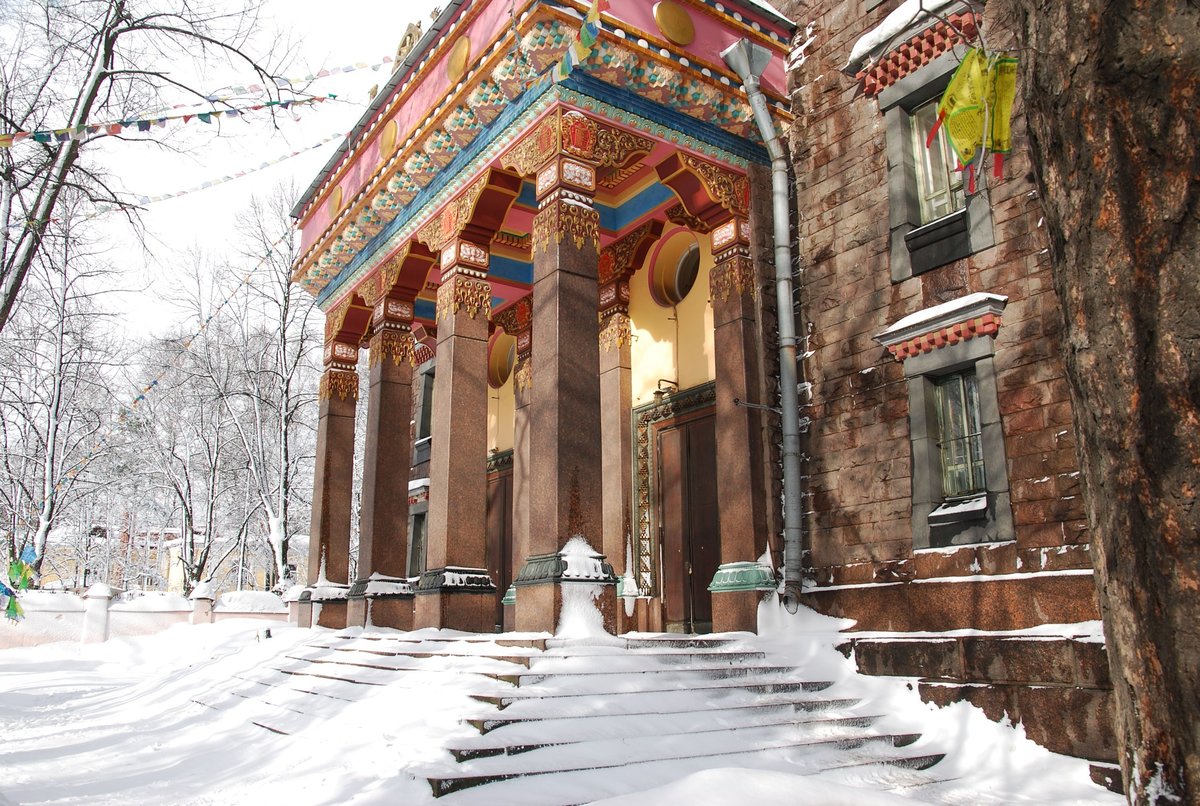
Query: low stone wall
[[1057, 687], [52, 616]]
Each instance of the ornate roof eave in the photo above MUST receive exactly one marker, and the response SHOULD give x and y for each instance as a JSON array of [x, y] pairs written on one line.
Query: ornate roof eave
[[333, 289], [363, 216]]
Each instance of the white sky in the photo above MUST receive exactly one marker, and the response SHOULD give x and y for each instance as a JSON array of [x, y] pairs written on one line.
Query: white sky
[[327, 35]]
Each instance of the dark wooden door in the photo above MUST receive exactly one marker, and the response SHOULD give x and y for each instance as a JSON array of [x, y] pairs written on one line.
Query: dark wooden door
[[688, 526], [499, 535]]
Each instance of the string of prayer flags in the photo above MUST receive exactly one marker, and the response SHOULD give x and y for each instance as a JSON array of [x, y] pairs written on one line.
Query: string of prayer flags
[[118, 127], [584, 42], [144, 200], [281, 82]]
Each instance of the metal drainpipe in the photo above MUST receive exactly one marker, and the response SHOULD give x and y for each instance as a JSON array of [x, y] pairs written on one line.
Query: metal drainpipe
[[748, 60]]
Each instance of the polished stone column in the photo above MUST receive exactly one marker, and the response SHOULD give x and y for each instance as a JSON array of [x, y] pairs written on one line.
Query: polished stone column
[[329, 533], [741, 488], [517, 322], [383, 519], [565, 454], [456, 591]]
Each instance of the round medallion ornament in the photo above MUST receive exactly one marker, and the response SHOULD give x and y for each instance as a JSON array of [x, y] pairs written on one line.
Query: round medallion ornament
[[387, 140], [335, 202], [674, 22], [456, 64]]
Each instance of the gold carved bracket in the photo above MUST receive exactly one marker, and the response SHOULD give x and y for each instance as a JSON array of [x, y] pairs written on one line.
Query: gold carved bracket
[[562, 217], [340, 382], [463, 293]]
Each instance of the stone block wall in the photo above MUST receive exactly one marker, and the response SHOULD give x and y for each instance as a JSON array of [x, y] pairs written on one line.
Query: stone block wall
[[860, 466]]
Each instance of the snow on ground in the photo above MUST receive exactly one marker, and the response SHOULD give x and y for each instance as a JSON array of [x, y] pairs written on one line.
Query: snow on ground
[[115, 723]]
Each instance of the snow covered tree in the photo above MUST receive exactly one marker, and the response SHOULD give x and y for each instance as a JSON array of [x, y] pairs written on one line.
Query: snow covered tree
[[56, 399], [66, 64], [1112, 99]]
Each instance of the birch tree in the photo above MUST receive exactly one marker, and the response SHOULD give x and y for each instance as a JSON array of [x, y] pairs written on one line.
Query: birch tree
[[67, 63]]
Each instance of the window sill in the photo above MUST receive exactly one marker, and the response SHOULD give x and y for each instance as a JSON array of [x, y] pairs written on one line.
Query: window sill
[[960, 511], [939, 242]]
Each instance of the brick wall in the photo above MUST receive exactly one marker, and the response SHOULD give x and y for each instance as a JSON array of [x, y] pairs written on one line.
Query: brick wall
[[859, 522]]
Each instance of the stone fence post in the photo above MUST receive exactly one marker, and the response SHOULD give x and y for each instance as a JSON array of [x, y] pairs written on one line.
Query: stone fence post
[[95, 614], [202, 598]]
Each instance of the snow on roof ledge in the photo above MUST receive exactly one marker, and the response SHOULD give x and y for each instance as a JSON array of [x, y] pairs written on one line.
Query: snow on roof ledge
[[944, 315], [909, 14]]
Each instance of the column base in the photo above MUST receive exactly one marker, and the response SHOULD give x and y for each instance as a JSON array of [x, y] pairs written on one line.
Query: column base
[[332, 613], [356, 610], [393, 612], [456, 598], [737, 589], [542, 580]]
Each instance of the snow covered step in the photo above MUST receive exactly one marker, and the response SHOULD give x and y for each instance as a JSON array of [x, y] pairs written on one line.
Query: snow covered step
[[650, 679], [680, 641], [637, 659], [435, 637], [813, 755], [706, 667], [506, 742], [649, 694], [413, 662], [650, 709], [419, 649]]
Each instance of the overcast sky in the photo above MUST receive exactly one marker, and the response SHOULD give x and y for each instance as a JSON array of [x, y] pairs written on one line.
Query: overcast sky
[[327, 35]]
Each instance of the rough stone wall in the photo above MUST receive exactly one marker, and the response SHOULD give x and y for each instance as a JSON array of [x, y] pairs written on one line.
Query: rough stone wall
[[858, 523]]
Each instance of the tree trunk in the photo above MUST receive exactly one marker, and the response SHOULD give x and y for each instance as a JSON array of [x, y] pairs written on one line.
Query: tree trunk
[[1111, 93]]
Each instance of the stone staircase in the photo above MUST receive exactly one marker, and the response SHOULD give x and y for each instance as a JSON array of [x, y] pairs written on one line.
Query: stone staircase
[[560, 723]]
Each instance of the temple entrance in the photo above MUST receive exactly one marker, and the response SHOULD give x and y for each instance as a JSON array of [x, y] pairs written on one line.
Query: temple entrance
[[687, 519]]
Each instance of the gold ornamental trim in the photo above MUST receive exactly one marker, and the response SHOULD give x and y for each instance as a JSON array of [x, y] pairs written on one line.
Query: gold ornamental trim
[[733, 275], [535, 149], [399, 345], [335, 318], [730, 190], [461, 293], [340, 382], [523, 374], [390, 273], [563, 218], [615, 331], [678, 214]]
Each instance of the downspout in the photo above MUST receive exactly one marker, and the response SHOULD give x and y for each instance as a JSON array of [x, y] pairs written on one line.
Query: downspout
[[748, 61]]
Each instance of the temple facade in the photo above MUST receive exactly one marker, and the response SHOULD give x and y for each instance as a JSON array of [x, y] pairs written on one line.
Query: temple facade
[[553, 235], [558, 278]]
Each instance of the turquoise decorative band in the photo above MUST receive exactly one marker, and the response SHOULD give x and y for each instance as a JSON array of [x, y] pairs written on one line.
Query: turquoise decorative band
[[743, 576], [510, 596]]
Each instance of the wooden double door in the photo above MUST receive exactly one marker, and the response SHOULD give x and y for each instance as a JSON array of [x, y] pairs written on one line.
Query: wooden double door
[[688, 527]]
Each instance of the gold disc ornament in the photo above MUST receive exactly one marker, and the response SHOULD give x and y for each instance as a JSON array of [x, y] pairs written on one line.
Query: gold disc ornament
[[456, 65], [674, 22]]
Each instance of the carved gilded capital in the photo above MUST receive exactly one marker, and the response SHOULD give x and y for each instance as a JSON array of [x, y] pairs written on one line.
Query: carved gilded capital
[[461, 293], [615, 330], [734, 274], [340, 382], [523, 374], [395, 343], [566, 215]]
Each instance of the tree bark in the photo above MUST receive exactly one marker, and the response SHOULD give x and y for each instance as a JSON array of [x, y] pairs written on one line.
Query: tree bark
[[1111, 93]]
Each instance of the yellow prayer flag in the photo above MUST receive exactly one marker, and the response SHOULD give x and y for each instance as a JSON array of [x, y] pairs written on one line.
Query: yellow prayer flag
[[962, 106], [1002, 89]]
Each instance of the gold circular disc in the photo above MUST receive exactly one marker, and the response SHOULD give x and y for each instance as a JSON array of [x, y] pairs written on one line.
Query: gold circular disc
[[674, 22], [335, 202], [387, 140], [456, 65]]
